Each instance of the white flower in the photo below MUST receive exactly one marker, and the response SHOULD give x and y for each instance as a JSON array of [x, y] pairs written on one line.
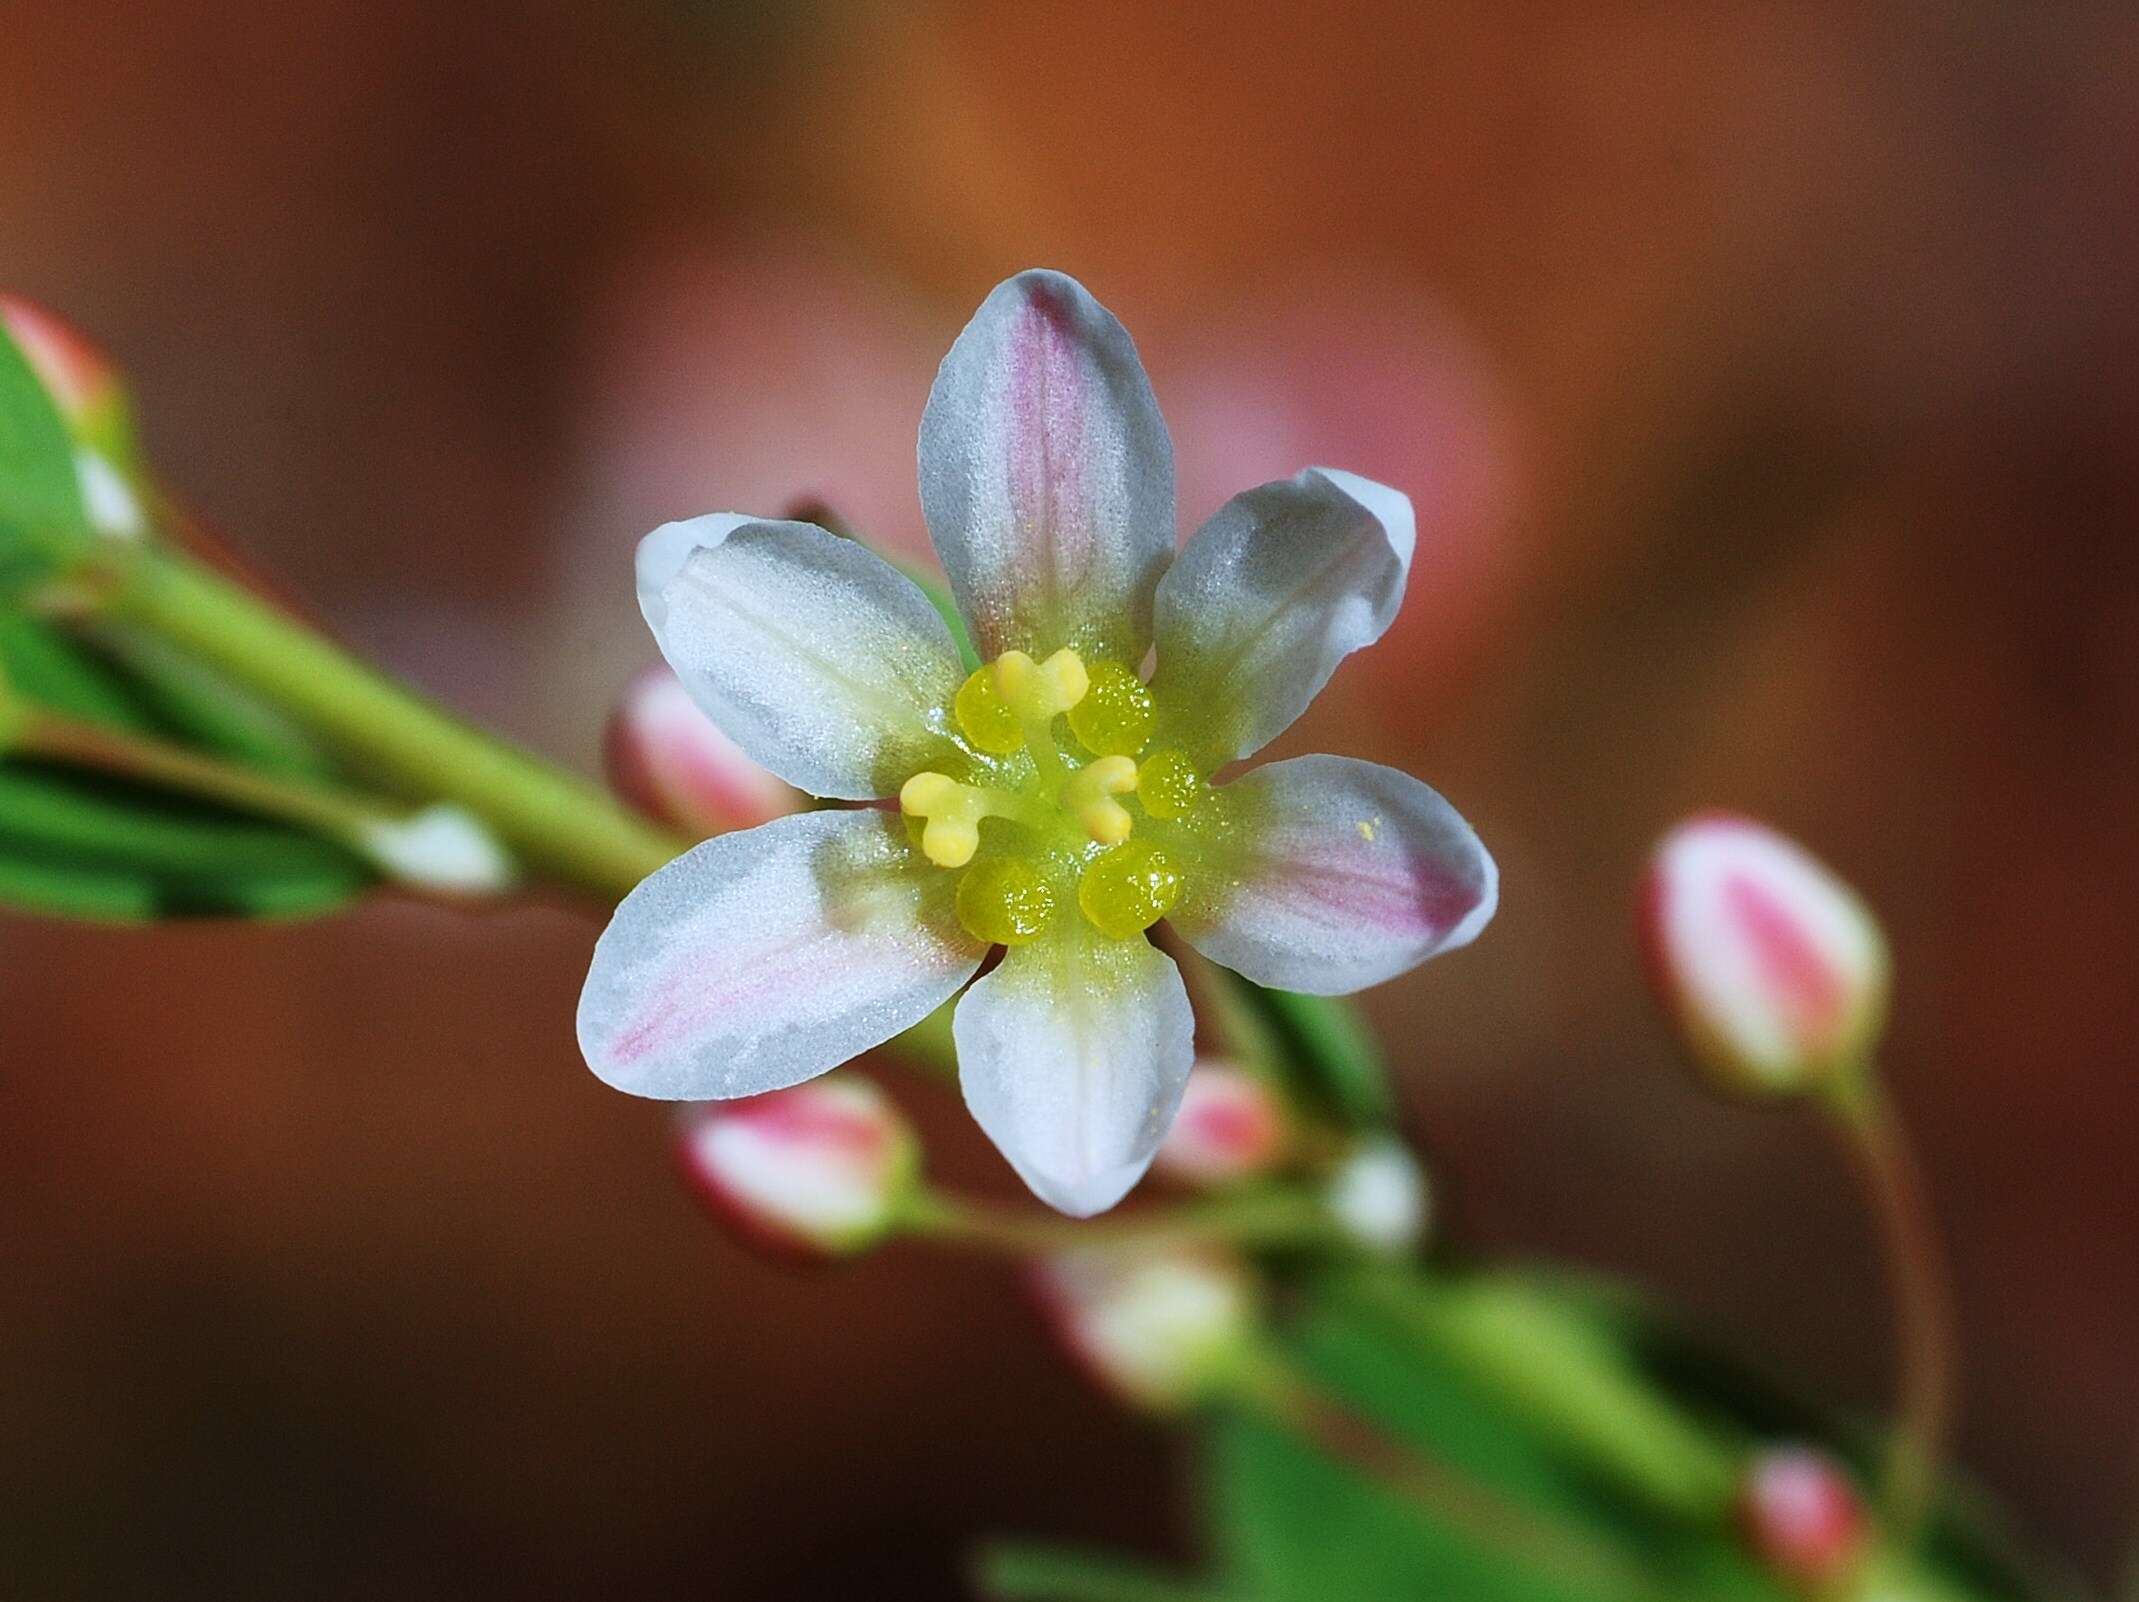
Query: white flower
[[1055, 801]]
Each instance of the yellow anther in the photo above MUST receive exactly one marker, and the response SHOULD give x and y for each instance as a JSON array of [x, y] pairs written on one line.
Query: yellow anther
[[1169, 785], [1089, 797], [1115, 716], [1127, 890], [1039, 691], [985, 718], [953, 811]]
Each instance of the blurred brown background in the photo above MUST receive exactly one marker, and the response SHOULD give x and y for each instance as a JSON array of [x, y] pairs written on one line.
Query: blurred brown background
[[1765, 376]]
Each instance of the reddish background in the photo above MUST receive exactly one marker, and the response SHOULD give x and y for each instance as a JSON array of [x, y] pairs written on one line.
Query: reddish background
[[1764, 375]]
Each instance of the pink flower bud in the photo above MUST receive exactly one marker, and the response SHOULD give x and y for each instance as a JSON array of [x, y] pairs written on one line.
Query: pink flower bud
[[1772, 969], [1231, 1126], [1801, 1516], [812, 1173], [1160, 1329], [667, 759]]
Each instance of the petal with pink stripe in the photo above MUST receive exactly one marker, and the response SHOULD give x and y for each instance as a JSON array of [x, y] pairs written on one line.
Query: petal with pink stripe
[[1335, 874], [1047, 474], [760, 959]]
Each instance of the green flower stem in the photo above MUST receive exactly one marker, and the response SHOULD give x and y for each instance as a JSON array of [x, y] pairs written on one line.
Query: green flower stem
[[1271, 1386], [1918, 1286], [331, 812], [1554, 1369], [1263, 1219], [554, 822]]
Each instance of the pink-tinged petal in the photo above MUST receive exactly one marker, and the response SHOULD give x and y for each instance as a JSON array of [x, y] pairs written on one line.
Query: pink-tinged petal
[[1335, 874], [670, 761], [815, 1171], [1774, 971], [1072, 1055], [828, 666], [761, 959], [1047, 474], [1281, 585], [1156, 1329], [1231, 1126]]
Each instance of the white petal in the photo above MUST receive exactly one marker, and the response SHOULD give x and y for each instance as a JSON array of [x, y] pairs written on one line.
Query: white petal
[[1072, 1055], [1047, 474], [827, 665], [1338, 874], [761, 959], [1282, 584]]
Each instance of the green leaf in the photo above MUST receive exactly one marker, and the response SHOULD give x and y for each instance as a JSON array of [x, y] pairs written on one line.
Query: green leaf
[[80, 846], [1016, 1572], [1298, 1526], [41, 517]]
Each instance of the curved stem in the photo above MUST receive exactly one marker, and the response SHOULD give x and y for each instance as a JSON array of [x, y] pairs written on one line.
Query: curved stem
[[1918, 1286], [558, 823], [1274, 1387], [1269, 1218]]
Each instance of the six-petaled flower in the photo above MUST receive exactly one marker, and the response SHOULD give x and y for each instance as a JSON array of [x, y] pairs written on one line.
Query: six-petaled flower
[[1058, 799]]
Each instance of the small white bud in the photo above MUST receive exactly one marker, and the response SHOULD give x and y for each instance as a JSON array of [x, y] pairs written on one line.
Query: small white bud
[[1161, 1329], [1378, 1195], [443, 848]]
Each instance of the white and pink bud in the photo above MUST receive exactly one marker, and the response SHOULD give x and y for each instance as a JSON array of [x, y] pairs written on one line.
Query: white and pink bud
[[667, 759], [1162, 1329], [1231, 1126], [1800, 1515], [822, 1170], [92, 402], [1773, 971]]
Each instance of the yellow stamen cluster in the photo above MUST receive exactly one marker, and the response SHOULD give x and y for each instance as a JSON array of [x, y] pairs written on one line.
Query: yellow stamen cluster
[[1070, 813]]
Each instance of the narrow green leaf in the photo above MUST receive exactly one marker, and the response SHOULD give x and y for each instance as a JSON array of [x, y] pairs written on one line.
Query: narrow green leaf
[[41, 513]]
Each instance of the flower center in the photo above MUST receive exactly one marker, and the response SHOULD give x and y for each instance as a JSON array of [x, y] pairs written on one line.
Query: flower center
[[1066, 808]]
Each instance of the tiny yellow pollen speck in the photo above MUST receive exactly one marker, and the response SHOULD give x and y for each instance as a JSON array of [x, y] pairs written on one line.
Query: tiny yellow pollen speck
[[1367, 826]]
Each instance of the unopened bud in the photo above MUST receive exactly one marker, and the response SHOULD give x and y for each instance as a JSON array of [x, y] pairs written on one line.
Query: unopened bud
[[1773, 971], [1160, 1329], [1231, 1126], [443, 849], [1379, 1197], [1801, 1516], [93, 404], [668, 759], [818, 1171]]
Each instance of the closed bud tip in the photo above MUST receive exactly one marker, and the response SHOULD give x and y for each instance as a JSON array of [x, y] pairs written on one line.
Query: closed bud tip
[[1231, 1126], [442, 849], [819, 1171], [1378, 1196], [1161, 1329], [668, 760], [1800, 1515], [1773, 972]]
